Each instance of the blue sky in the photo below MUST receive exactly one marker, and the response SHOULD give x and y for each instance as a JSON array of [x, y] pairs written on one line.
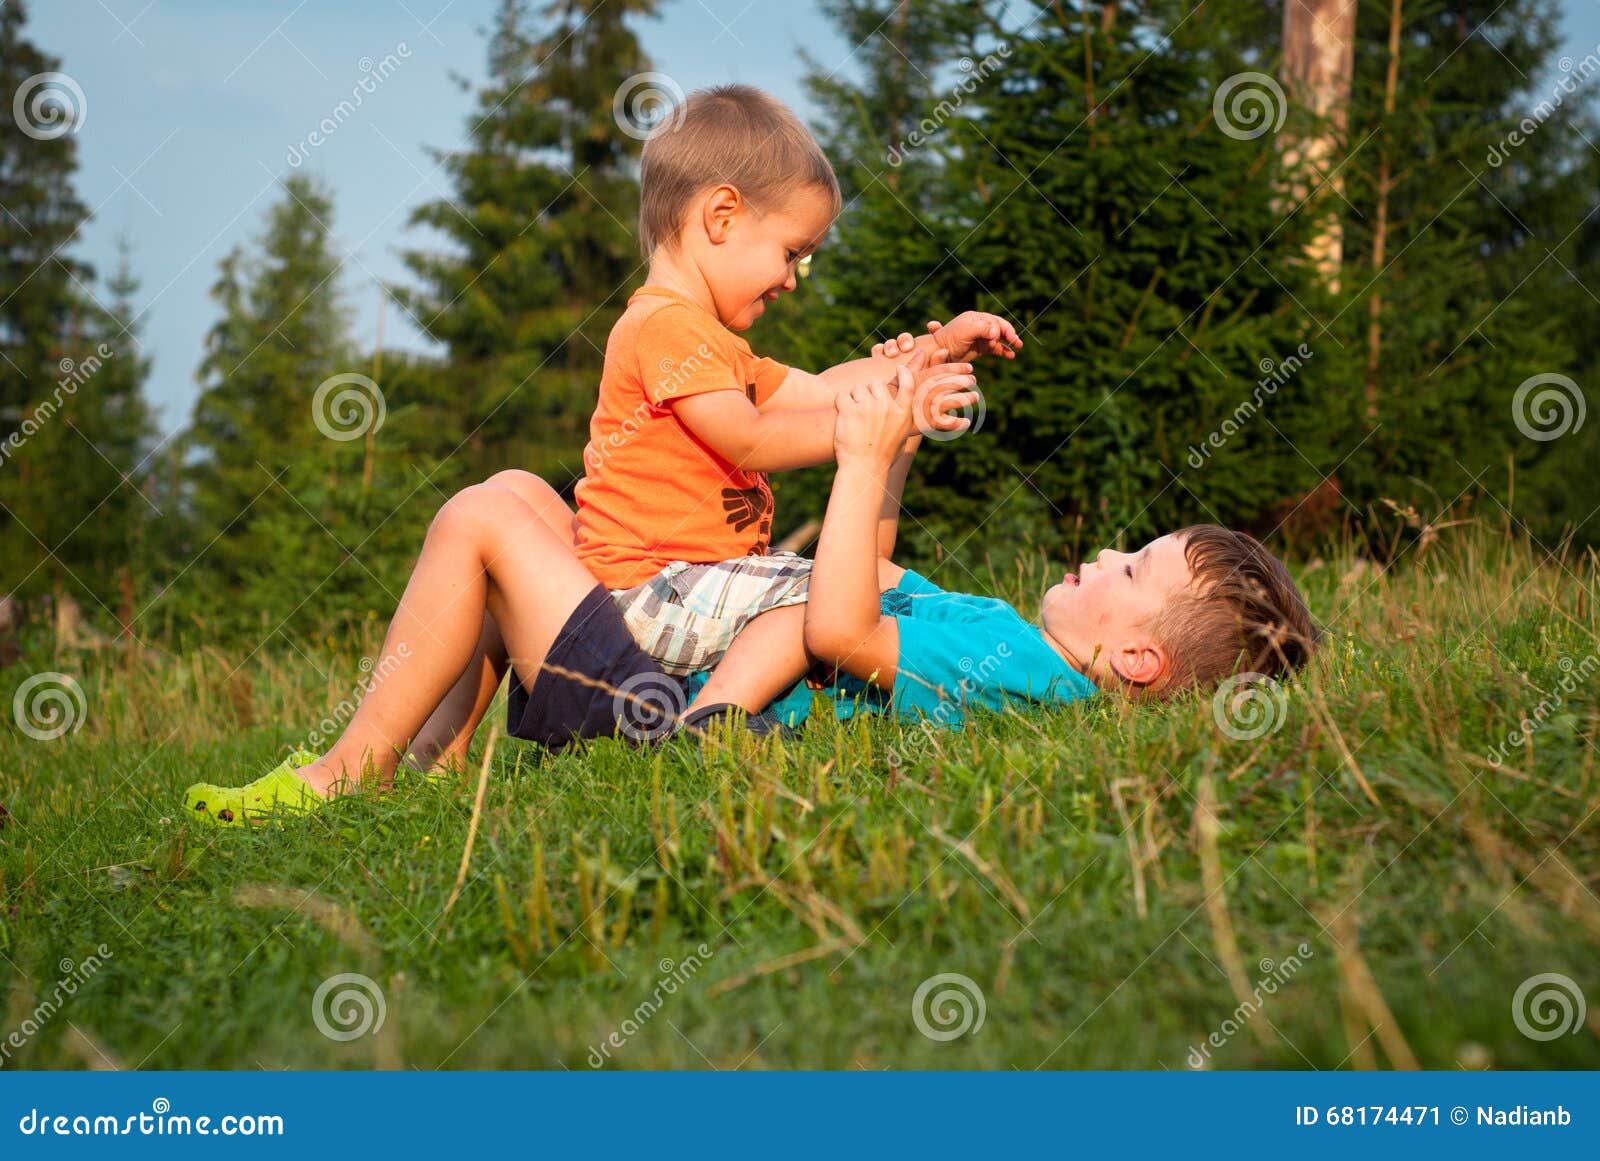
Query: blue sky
[[193, 106]]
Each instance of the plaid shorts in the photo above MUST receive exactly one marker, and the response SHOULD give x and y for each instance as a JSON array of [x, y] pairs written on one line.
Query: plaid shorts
[[687, 615]]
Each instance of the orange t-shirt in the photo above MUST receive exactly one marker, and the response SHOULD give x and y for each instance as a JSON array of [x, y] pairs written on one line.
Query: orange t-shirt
[[652, 492]]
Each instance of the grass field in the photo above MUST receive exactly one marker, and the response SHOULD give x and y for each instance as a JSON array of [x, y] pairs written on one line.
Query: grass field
[[1366, 884]]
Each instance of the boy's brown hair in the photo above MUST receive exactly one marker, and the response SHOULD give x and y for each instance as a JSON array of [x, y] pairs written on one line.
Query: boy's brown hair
[[731, 134], [1240, 614]]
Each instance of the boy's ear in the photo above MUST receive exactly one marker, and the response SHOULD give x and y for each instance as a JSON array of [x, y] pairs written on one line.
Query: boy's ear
[[718, 210], [1141, 661]]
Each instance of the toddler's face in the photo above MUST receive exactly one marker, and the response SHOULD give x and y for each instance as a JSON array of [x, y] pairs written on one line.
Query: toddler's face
[[1108, 603], [757, 261]]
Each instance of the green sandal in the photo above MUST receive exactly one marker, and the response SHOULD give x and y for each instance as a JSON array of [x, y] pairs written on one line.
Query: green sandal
[[279, 791]]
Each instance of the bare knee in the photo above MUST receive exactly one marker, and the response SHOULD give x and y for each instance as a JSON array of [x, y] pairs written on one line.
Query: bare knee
[[476, 512], [538, 495], [514, 479], [532, 490]]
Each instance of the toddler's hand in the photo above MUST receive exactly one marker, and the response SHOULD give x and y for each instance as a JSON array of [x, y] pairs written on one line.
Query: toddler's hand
[[977, 332], [896, 348], [904, 344]]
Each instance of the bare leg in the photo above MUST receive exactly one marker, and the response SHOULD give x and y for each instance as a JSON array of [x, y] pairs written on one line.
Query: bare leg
[[488, 551], [766, 658], [445, 736], [543, 499], [448, 732]]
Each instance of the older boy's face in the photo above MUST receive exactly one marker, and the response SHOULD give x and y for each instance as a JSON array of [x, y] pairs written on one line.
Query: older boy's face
[[760, 265], [1101, 611]]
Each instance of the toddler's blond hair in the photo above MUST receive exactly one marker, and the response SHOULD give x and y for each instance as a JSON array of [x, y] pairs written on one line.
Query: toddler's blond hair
[[734, 135]]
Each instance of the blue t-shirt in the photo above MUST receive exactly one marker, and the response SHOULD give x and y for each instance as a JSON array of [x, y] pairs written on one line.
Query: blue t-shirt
[[956, 650]]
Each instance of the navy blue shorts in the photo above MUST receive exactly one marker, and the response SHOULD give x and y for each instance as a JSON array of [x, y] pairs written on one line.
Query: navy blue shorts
[[595, 683]]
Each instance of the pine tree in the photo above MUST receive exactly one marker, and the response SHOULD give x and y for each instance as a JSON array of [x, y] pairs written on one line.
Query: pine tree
[[1067, 174], [313, 470], [1089, 175], [42, 332], [283, 334], [1484, 252], [98, 451], [540, 222]]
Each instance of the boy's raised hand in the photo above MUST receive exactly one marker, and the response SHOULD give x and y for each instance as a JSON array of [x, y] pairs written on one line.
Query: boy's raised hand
[[874, 422], [940, 390], [878, 421]]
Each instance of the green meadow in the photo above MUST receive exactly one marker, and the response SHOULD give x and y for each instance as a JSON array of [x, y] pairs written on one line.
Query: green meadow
[[1363, 869]]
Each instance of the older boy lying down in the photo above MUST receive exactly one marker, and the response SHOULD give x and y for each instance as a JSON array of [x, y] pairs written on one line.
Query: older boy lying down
[[498, 587]]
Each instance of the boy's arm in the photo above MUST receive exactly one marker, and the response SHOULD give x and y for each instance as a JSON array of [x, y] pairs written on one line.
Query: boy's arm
[[844, 625], [754, 440], [775, 441], [806, 390], [894, 487], [965, 337]]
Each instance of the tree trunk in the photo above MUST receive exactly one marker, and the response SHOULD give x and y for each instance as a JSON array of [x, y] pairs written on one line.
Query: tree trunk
[[10, 620], [1380, 229], [1318, 59]]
